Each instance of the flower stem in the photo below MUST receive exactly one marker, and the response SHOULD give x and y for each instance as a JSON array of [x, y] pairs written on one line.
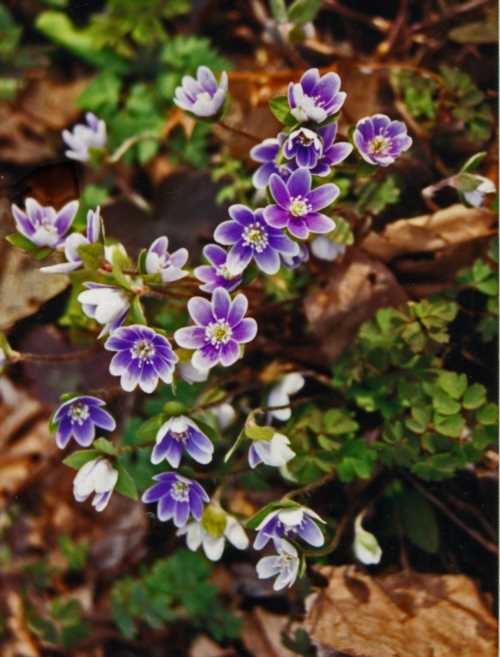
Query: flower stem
[[237, 131]]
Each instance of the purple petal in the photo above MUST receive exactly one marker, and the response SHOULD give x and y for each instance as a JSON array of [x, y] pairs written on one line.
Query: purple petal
[[64, 431], [322, 196], [279, 190], [221, 303], [268, 261], [238, 257], [84, 433], [24, 225], [328, 86], [310, 532], [276, 216], [228, 232], [207, 79], [65, 217], [245, 331], [200, 310], [241, 214], [280, 242], [229, 353], [338, 152], [266, 151], [102, 419], [196, 503], [309, 80], [261, 176], [181, 513], [299, 183], [328, 134], [205, 358], [215, 254], [190, 337], [166, 508], [120, 362], [239, 307], [319, 223], [298, 228]]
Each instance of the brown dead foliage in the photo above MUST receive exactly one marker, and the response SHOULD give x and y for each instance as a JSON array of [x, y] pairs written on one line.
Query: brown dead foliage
[[262, 633]]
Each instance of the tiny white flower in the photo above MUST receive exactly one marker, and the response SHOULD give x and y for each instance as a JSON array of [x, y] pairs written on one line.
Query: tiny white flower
[[211, 533], [106, 304], [366, 547], [285, 565], [325, 249], [275, 452], [225, 415], [97, 476], [192, 374], [280, 395], [168, 265], [476, 197], [84, 137]]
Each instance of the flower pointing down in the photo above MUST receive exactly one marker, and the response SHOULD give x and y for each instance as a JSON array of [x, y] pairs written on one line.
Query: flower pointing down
[[107, 304], [178, 498], [275, 452], [97, 476], [291, 523], [285, 565], [180, 434], [78, 417]]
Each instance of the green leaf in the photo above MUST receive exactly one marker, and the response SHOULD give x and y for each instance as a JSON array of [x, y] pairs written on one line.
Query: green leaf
[[104, 446], [21, 242], [473, 162], [257, 518], [279, 10], [80, 457], [336, 422], [102, 94], [445, 404], [137, 312], [449, 425], [256, 432], [452, 383], [125, 484], [474, 397], [92, 255], [488, 414], [419, 521], [303, 11], [281, 110], [148, 430]]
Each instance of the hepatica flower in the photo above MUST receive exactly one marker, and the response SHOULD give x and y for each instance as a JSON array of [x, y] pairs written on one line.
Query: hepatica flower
[[78, 417], [279, 395], [43, 225], [107, 304], [305, 146], [85, 137], [99, 477], [143, 357], [292, 262], [220, 328], [315, 97], [178, 498], [325, 249], [217, 273], [331, 154], [290, 523], [267, 153], [202, 96], [297, 206], [180, 434], [168, 265], [284, 565], [251, 237], [380, 140], [74, 241], [275, 452]]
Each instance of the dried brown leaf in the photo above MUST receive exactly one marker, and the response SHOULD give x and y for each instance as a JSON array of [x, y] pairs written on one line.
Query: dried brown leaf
[[261, 634]]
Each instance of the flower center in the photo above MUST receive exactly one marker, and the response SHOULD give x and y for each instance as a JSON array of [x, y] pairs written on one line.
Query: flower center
[[78, 413], [218, 332], [144, 350], [180, 491], [299, 206], [203, 97], [179, 436], [379, 144], [255, 236], [225, 273]]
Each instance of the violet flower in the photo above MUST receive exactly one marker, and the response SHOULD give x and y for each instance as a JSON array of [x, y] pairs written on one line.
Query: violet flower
[[202, 96], [143, 357], [297, 205], [168, 265], [315, 97], [292, 523], [332, 153], [305, 146], [179, 434], [43, 225], [78, 417], [74, 241], [83, 138], [217, 274], [380, 140], [220, 328], [177, 497], [107, 304], [97, 476], [285, 565], [251, 237], [267, 152], [292, 262]]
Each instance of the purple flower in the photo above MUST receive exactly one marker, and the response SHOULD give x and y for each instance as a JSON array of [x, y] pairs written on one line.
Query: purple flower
[[78, 417], [220, 328], [315, 97], [43, 225], [180, 434], [143, 356], [305, 145], [201, 96], [85, 137], [73, 242], [217, 274], [251, 237], [290, 523], [292, 262], [332, 154], [168, 265], [107, 304], [297, 205], [268, 152], [380, 140], [177, 497]]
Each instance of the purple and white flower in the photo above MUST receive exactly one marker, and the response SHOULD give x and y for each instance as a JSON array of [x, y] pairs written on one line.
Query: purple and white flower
[[315, 97], [97, 476], [78, 417], [251, 237], [326, 249], [268, 152], [473, 187], [279, 395], [180, 434], [74, 241], [107, 304], [202, 96], [292, 524], [305, 146], [332, 153], [215, 528], [84, 138], [168, 265], [275, 452], [220, 328], [380, 140], [143, 357], [297, 206], [285, 565], [178, 498], [43, 225], [292, 262], [217, 274]]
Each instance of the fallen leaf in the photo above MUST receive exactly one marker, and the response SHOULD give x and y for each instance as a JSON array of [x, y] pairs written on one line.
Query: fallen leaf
[[261, 634]]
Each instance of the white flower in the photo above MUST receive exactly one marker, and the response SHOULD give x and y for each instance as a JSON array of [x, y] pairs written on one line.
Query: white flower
[[475, 197], [366, 547], [192, 374], [225, 415], [285, 564], [275, 452], [168, 265], [115, 252], [97, 476], [280, 395], [215, 527], [325, 249], [3, 360], [84, 137], [106, 304], [202, 96]]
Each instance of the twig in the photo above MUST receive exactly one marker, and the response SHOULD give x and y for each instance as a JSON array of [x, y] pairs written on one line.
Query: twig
[[237, 131], [17, 356]]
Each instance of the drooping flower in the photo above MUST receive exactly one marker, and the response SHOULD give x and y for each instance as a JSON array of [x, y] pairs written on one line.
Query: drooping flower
[[97, 476], [215, 527], [202, 96], [143, 357], [279, 395], [74, 241], [366, 547], [315, 97], [291, 523], [285, 565], [292, 262], [43, 225], [380, 140], [177, 497], [473, 187], [192, 374], [275, 452], [325, 249], [220, 328], [267, 153], [225, 415], [217, 274], [297, 206], [332, 153], [78, 417], [179, 434], [251, 237], [168, 265], [85, 137], [305, 146], [107, 304]]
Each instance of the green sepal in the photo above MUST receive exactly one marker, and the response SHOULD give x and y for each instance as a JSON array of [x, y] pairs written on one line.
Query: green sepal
[[239, 440], [80, 457], [257, 518], [125, 485], [105, 446], [137, 312], [148, 430], [21, 242]]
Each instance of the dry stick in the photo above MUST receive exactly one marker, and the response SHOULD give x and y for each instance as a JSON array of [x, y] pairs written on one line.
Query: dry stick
[[374, 22], [17, 356], [237, 131], [449, 15]]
